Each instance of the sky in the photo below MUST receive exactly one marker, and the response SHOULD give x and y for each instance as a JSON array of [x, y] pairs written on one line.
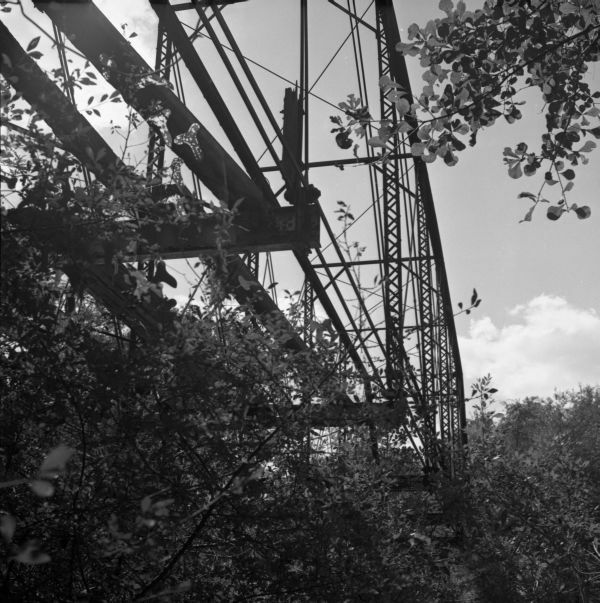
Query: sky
[[537, 329]]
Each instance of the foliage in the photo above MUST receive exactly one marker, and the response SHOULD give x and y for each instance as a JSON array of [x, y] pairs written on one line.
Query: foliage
[[476, 65], [188, 466], [183, 467], [191, 469], [533, 522]]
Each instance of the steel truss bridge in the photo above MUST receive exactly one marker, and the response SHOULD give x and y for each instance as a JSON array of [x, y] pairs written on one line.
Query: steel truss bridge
[[267, 149]]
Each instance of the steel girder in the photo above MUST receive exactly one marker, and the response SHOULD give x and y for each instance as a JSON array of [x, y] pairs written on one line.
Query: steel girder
[[433, 388], [430, 390], [440, 400]]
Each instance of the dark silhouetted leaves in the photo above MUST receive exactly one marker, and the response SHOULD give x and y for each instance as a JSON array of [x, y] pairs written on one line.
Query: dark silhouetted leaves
[[555, 212], [33, 44], [583, 212], [343, 140], [468, 87], [8, 525], [515, 171], [528, 196], [527, 216]]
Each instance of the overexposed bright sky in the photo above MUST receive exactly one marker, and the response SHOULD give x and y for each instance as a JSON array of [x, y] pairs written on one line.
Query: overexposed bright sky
[[538, 327]]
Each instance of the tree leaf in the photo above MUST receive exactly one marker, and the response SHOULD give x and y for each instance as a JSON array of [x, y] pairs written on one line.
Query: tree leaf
[[588, 146], [145, 504], [417, 149], [56, 460], [527, 216], [375, 141], [33, 43], [8, 525], [568, 174], [555, 212], [514, 171], [402, 106], [31, 555], [583, 212], [409, 49], [528, 196], [42, 488], [446, 5], [343, 140], [474, 297], [567, 8]]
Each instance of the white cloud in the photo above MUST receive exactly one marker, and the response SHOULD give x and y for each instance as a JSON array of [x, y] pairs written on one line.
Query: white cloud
[[547, 344]]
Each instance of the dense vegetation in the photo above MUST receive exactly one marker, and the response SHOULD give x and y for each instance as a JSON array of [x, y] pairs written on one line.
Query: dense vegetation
[[185, 466], [534, 529], [188, 467]]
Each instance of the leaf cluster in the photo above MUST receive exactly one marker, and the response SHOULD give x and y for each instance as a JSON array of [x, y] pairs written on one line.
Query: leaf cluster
[[533, 521], [477, 63]]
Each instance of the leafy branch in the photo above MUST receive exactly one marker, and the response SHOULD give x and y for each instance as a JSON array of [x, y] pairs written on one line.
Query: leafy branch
[[473, 64]]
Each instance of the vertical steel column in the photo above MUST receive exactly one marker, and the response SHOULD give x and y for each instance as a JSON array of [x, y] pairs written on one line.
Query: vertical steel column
[[440, 392], [251, 260], [428, 326], [447, 398], [309, 294], [162, 67], [391, 250]]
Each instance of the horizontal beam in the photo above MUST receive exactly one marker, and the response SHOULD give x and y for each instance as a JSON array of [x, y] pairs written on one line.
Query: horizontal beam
[[415, 258], [291, 228], [204, 235], [341, 162]]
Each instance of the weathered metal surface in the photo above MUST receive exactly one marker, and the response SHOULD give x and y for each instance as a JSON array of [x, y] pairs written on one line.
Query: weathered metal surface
[[434, 389], [90, 31], [110, 285], [440, 400]]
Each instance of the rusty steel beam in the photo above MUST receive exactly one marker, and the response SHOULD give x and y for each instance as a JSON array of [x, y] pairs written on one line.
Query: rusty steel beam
[[111, 285], [89, 30], [79, 137], [93, 34], [190, 147]]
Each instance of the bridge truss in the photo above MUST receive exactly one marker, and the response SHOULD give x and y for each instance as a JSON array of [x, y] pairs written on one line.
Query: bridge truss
[[386, 297]]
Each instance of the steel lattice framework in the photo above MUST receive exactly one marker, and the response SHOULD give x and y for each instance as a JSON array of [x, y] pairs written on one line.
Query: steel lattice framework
[[404, 347]]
